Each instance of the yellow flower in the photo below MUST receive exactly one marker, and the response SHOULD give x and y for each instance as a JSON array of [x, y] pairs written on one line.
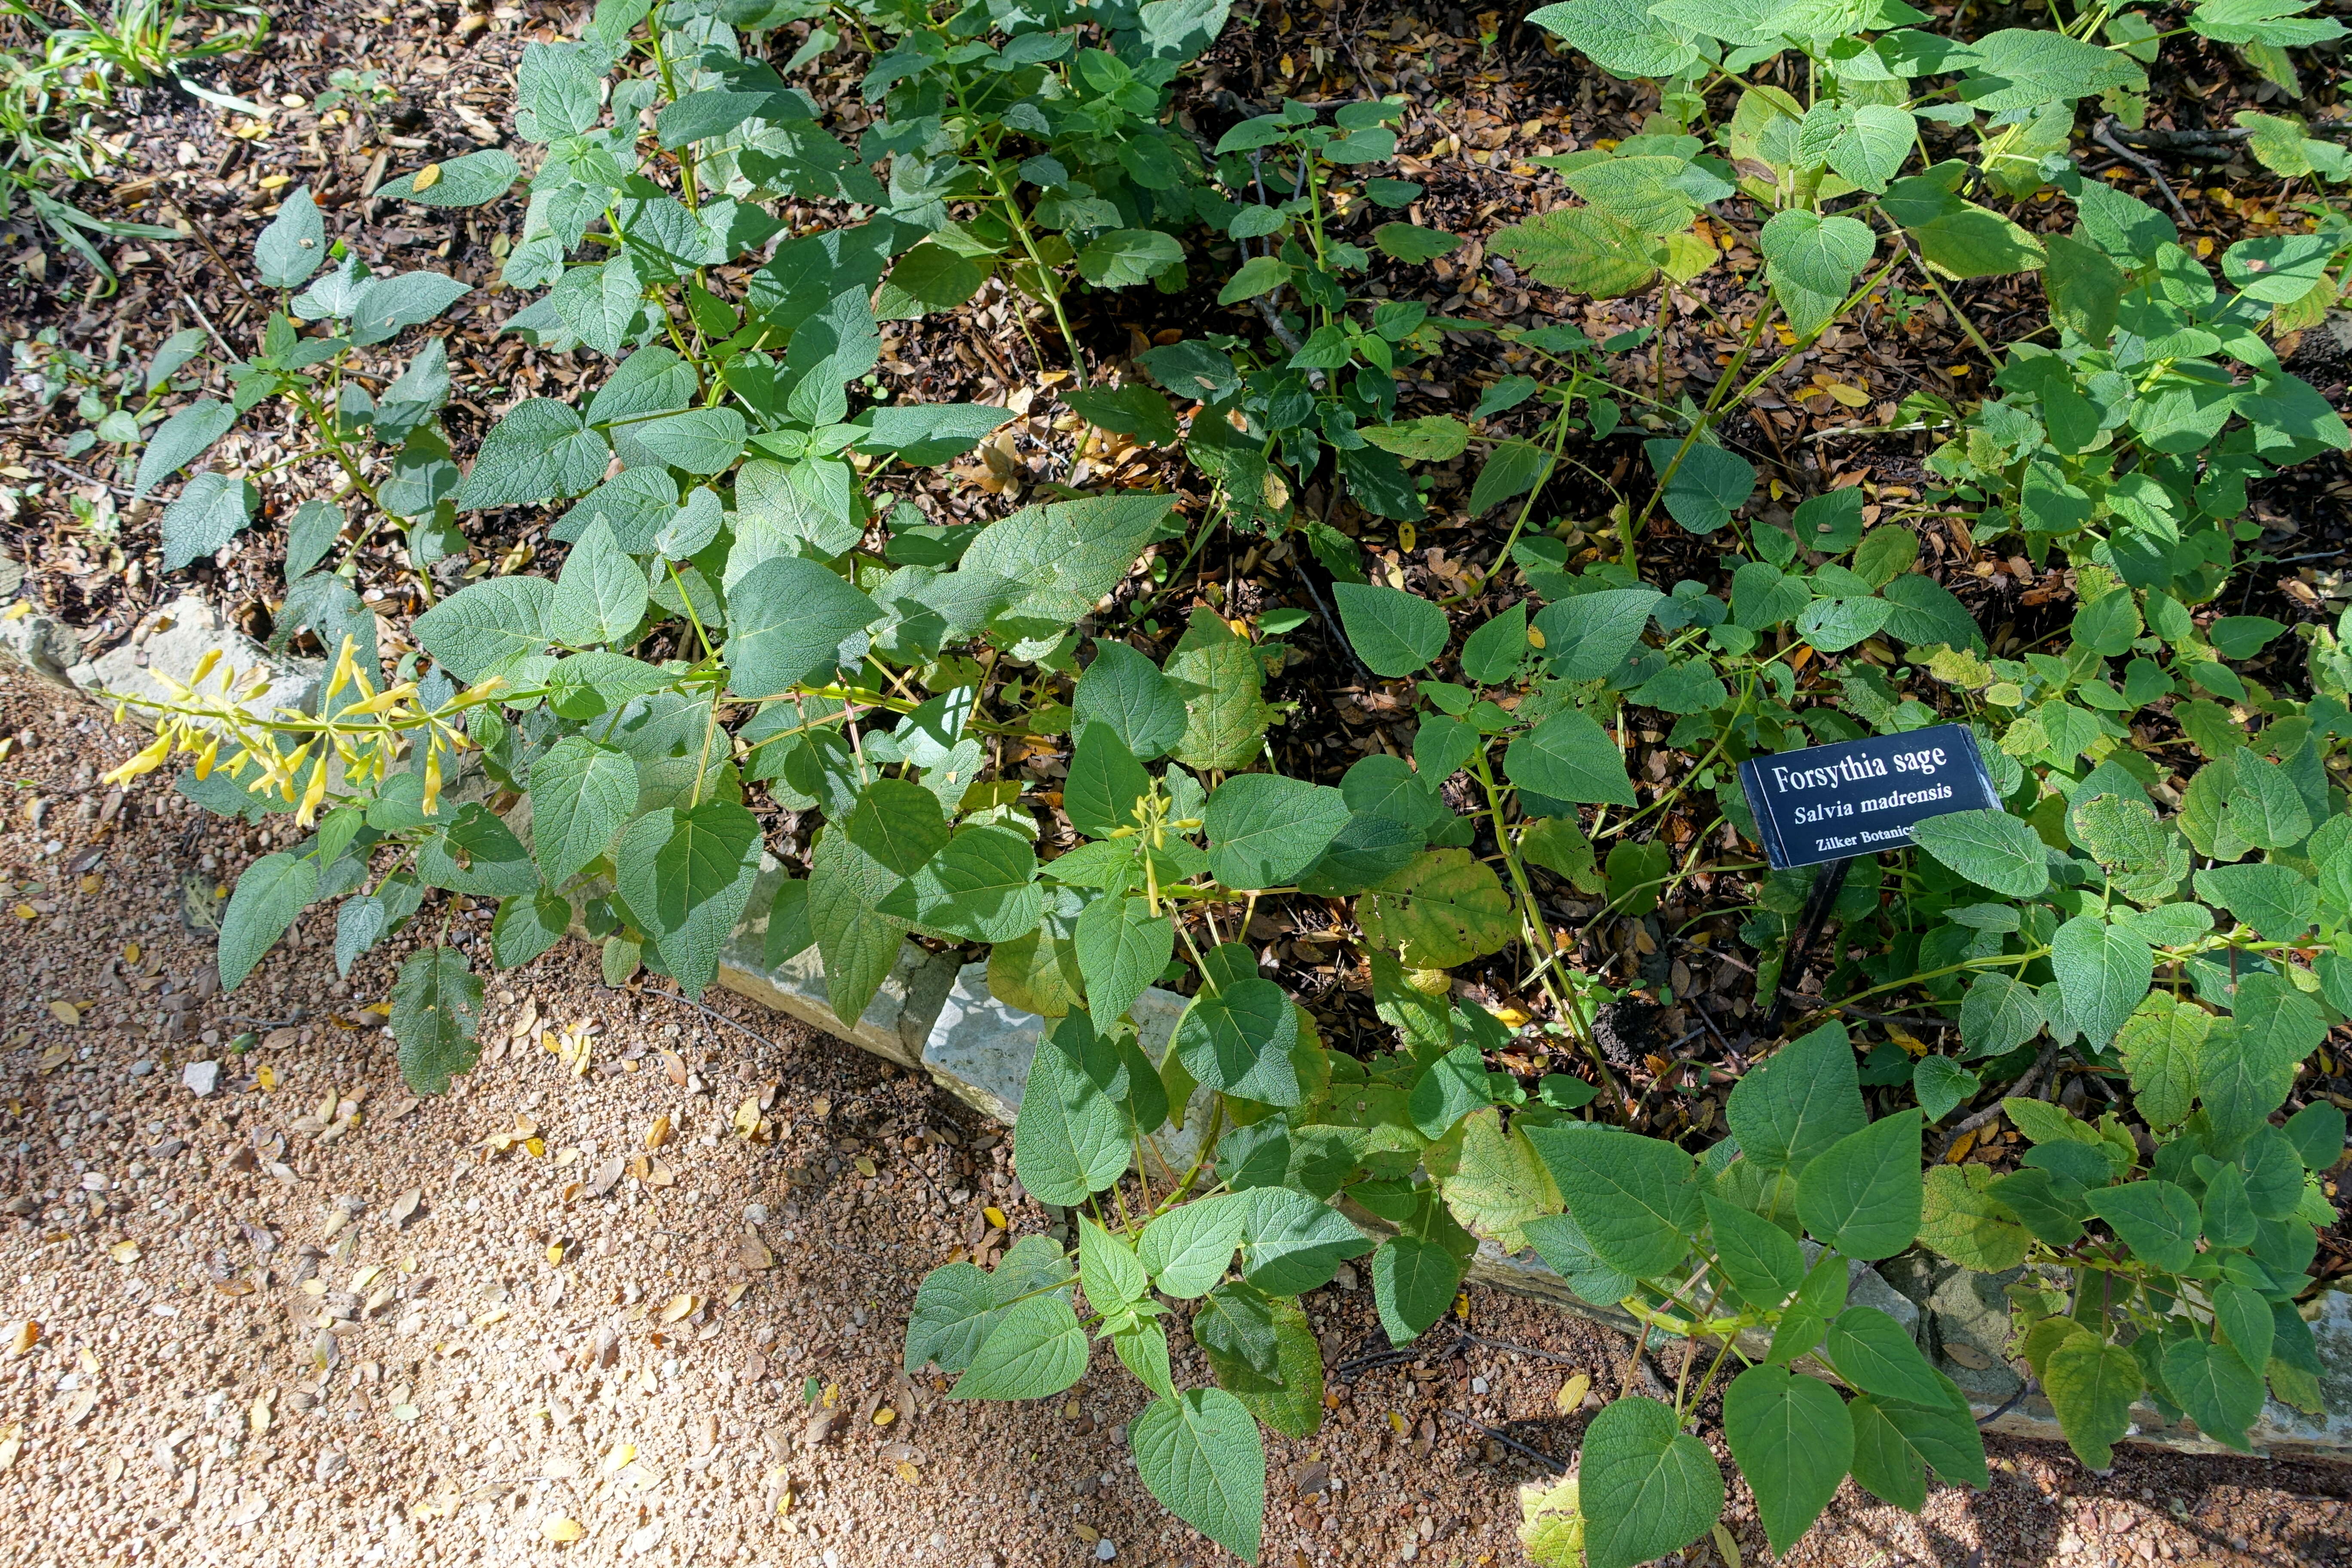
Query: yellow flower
[[432, 796], [156, 754]]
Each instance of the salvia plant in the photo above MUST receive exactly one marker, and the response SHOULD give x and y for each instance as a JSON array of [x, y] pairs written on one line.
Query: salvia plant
[[744, 607]]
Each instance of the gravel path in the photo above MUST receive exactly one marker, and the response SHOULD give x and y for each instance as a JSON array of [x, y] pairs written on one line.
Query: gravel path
[[643, 1301]]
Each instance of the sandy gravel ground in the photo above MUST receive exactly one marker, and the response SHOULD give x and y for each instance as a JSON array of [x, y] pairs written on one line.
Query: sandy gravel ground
[[644, 1303]]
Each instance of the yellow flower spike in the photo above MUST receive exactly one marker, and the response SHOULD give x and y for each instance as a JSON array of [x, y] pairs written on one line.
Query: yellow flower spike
[[432, 796], [292, 768], [205, 759], [311, 796], [381, 704], [204, 667], [146, 761]]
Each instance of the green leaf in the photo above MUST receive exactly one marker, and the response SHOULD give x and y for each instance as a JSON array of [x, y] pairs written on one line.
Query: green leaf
[[1940, 1083], [1861, 1195], [1448, 1090], [2213, 1383], [1295, 1409], [1500, 1183], [470, 180], [980, 885], [1873, 1353], [1393, 632], [1203, 1458], [1636, 1199], [1264, 829], [1237, 1040], [527, 925], [1706, 487], [1131, 410], [1126, 256], [1894, 1442], [482, 628], [273, 890], [1071, 1141], [1124, 690], [928, 277], [1036, 1348], [601, 595], [1432, 438], [1222, 681], [1187, 1250], [958, 1305], [1512, 468], [700, 441], [2244, 1318], [1569, 757], [790, 618], [2083, 286], [1259, 275], [1757, 1257], [1108, 1271], [1962, 1221], [1794, 1442], [1648, 1487], [2103, 972], [1122, 949], [2158, 1221], [1788, 1110], [1492, 653], [1963, 240], [2091, 1384], [1413, 1282], [1622, 38], [1821, 254], [287, 252], [1446, 908], [1873, 146], [437, 1014], [1999, 1013], [181, 440], [580, 794], [1104, 784], [1291, 1243], [2163, 1045], [1990, 848], [540, 450], [685, 875], [1586, 250], [2279, 902], [1587, 636], [1411, 243], [212, 510]]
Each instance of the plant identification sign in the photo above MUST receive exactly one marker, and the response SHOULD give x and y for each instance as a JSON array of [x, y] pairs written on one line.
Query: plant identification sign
[[1857, 797]]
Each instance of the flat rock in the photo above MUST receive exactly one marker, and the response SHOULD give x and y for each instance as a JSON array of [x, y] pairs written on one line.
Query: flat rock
[[200, 1079]]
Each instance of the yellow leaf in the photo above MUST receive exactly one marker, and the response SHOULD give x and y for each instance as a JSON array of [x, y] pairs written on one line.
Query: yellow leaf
[[92, 883], [562, 1530], [747, 1118], [538, 1147], [907, 1473], [495, 1315], [124, 1252], [658, 1134], [267, 1077], [1851, 397], [1396, 1423], [680, 1307], [995, 1217], [64, 1012], [1535, 636], [619, 1457], [1407, 536], [865, 1165], [1510, 1017], [426, 178], [1727, 1545], [259, 1417], [1573, 1392], [884, 1417], [27, 912]]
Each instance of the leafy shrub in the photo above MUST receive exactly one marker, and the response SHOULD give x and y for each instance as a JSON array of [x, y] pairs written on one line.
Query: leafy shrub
[[742, 605]]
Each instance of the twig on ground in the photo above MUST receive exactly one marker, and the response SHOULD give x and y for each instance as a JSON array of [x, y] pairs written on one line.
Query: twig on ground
[[1557, 1467], [712, 1012], [2106, 137], [2023, 1087]]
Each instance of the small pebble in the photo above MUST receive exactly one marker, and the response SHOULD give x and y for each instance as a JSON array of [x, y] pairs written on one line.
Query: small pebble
[[201, 1078], [1477, 1385], [1104, 1551]]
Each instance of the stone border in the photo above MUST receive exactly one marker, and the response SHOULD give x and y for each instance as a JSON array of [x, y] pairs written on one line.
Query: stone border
[[935, 1015]]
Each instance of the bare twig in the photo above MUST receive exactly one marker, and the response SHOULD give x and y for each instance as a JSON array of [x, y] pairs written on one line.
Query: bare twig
[[1990, 1113], [679, 996], [1557, 1467], [2106, 137]]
